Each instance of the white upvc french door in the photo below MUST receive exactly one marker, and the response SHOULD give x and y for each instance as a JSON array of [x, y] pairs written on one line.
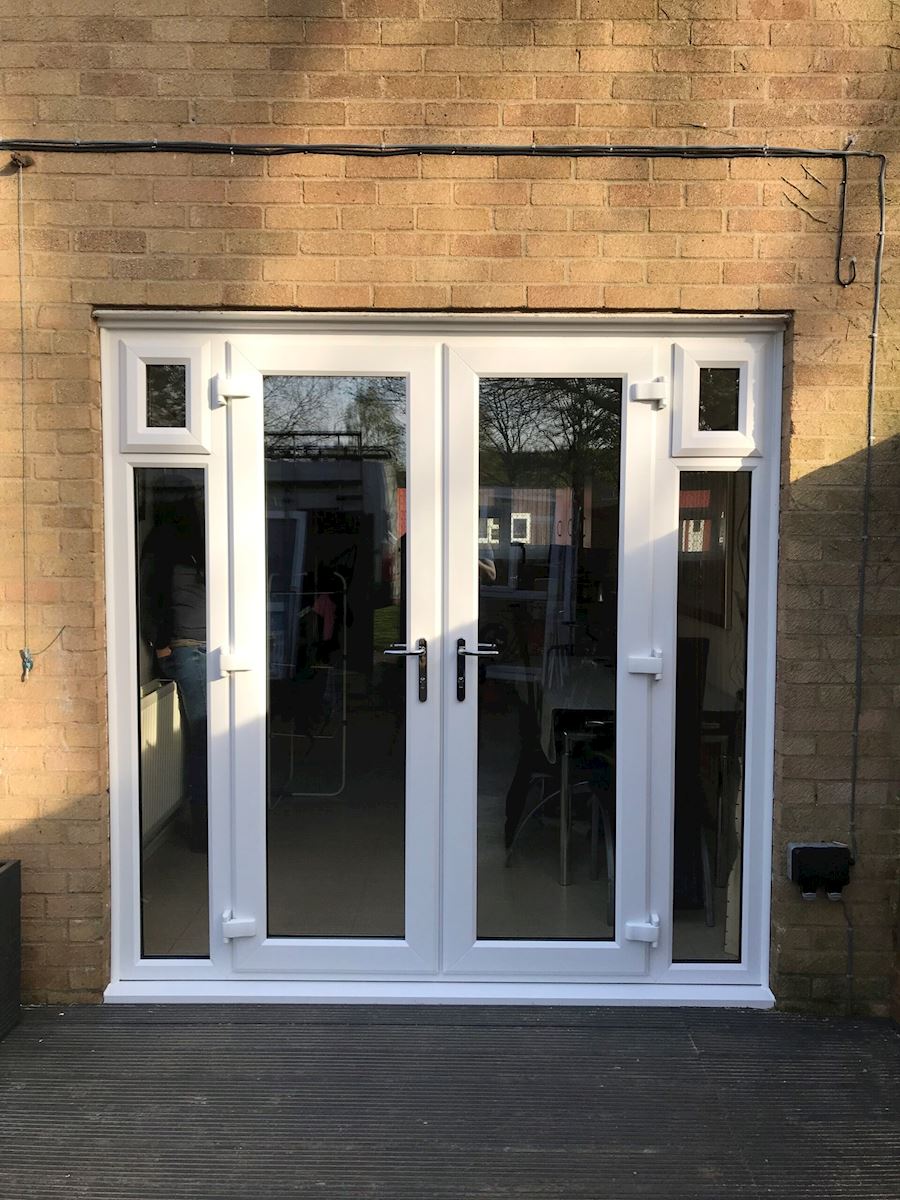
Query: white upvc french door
[[303, 490], [486, 611], [438, 384], [578, 658]]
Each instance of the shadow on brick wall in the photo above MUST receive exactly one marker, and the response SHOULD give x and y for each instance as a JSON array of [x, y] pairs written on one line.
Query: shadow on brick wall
[[819, 591]]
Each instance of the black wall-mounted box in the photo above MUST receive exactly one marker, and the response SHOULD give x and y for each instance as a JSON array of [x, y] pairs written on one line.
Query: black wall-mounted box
[[815, 865], [10, 945]]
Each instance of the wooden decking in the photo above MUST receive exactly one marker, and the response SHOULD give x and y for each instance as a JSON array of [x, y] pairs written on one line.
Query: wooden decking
[[139, 1103]]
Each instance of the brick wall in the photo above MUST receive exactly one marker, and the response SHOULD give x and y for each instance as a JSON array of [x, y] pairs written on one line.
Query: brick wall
[[330, 232]]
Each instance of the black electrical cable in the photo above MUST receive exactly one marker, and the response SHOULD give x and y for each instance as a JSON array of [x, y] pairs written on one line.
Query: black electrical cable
[[389, 150], [866, 509], [851, 278]]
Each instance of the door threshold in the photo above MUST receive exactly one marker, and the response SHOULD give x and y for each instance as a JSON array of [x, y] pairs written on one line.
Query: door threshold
[[243, 991]]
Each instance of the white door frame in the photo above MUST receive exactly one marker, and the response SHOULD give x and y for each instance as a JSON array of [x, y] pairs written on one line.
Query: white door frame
[[633, 360], [136, 978], [251, 358]]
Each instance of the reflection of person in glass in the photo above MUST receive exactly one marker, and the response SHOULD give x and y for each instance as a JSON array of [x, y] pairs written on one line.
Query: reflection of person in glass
[[173, 615]]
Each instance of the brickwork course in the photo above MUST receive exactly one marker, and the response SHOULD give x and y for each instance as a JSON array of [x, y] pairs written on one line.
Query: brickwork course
[[168, 230]]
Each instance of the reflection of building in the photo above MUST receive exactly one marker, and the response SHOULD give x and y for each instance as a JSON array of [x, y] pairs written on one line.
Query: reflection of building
[[330, 511], [540, 515]]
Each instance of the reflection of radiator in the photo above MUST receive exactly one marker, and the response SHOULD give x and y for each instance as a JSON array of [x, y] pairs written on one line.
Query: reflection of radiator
[[162, 757]]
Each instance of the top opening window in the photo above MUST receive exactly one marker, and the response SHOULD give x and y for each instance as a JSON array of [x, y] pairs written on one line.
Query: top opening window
[[164, 391], [716, 396]]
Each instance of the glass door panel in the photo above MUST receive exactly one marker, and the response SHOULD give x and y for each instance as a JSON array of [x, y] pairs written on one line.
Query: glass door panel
[[336, 570], [548, 534], [545, 825], [336, 478]]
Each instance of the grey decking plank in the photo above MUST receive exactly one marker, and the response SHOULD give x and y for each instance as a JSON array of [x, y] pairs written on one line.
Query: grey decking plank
[[148, 1102]]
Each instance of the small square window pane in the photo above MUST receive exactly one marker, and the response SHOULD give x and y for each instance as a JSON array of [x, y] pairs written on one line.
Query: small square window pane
[[719, 391], [166, 395]]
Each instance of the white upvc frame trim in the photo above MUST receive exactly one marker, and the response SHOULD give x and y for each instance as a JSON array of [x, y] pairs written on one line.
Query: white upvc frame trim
[[233, 321], [747, 355], [190, 350], [122, 679], [207, 980], [467, 361], [627, 995], [759, 750], [253, 357]]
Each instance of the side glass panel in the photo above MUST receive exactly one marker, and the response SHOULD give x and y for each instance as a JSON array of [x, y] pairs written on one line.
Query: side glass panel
[[335, 472], [166, 395], [548, 535], [171, 542], [710, 714]]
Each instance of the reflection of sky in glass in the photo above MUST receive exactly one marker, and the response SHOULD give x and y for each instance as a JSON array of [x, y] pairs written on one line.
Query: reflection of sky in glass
[[538, 430], [343, 414]]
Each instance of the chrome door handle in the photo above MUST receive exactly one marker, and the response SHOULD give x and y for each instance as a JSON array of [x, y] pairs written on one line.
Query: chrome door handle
[[421, 653], [485, 650]]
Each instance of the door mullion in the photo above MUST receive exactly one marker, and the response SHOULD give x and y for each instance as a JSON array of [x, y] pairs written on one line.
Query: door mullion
[[664, 591], [246, 690]]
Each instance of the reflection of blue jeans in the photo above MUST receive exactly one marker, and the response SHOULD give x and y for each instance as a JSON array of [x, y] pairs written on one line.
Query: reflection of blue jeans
[[186, 666]]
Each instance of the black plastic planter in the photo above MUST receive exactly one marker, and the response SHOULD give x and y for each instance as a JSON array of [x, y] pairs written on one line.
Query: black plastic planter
[[10, 945]]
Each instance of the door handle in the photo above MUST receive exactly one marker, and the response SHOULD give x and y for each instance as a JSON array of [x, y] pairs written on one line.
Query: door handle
[[421, 653], [485, 650]]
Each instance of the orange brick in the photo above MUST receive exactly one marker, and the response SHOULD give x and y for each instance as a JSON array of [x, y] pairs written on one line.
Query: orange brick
[[694, 220], [573, 33], [534, 115], [486, 245], [614, 116], [453, 218], [562, 245], [482, 295], [413, 33], [703, 246]]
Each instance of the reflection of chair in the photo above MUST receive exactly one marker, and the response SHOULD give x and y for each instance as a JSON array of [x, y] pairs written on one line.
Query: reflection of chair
[[693, 881], [587, 750]]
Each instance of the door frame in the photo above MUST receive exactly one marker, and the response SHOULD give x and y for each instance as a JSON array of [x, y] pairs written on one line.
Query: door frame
[[134, 978], [249, 359], [467, 360]]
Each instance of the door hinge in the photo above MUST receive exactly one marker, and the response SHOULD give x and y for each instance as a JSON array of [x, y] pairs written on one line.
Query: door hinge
[[230, 661], [236, 387], [643, 931], [646, 664], [654, 390], [237, 927]]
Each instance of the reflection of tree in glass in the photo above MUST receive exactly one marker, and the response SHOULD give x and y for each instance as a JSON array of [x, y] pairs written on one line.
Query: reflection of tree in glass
[[297, 404], [166, 395], [334, 414], [375, 413], [719, 397], [552, 433], [540, 432]]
